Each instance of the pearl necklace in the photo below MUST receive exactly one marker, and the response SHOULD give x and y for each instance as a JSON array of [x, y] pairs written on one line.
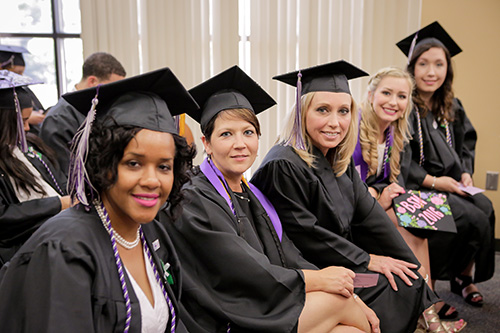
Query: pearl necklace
[[119, 239]]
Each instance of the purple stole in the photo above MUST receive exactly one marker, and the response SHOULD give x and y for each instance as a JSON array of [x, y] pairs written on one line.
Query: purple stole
[[216, 178], [361, 165]]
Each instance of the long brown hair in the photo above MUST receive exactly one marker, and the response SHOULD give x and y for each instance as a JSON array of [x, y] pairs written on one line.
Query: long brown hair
[[23, 178], [442, 98]]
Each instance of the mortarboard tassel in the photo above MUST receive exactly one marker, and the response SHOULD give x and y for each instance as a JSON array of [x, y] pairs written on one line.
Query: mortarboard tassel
[[78, 174], [180, 123], [177, 125], [21, 135], [296, 135], [412, 46]]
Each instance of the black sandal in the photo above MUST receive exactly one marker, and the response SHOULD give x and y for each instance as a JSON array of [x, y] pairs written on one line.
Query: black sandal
[[458, 287], [444, 309]]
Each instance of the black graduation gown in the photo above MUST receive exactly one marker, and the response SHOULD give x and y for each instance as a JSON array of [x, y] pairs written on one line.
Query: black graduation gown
[[58, 129], [37, 106], [235, 272], [474, 216], [380, 183], [335, 221], [64, 278], [18, 220]]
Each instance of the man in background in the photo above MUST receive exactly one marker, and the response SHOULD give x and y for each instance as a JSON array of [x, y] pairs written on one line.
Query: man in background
[[62, 120]]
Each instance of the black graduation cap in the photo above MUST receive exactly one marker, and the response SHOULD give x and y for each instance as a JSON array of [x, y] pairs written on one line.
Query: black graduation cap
[[7, 100], [230, 89], [10, 54], [332, 77], [10, 81], [433, 30], [14, 96], [148, 101]]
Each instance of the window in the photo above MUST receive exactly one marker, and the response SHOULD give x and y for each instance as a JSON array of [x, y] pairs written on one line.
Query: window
[[50, 30]]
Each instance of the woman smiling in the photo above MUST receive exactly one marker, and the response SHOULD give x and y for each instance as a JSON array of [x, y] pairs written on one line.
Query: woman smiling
[[241, 271], [443, 152], [105, 265], [326, 209]]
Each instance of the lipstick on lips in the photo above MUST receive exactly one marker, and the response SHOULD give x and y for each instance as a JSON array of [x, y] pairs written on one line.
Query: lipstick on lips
[[146, 199]]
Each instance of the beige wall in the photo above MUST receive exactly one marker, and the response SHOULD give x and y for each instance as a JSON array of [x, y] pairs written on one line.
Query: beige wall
[[475, 26]]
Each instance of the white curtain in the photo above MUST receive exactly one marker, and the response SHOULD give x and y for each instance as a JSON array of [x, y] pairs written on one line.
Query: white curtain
[[177, 34], [150, 34], [199, 38], [290, 34], [112, 26]]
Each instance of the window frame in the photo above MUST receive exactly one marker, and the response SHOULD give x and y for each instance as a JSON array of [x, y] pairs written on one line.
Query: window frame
[[57, 37]]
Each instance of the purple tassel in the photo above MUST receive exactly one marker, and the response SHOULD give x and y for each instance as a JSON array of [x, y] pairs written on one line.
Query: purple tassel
[[21, 135], [412, 46], [296, 134], [78, 175]]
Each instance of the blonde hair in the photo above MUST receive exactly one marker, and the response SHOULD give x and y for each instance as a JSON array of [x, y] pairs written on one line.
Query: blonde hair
[[340, 156], [369, 130]]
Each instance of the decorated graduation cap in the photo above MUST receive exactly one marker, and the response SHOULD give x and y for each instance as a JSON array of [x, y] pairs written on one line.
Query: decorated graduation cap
[[11, 55], [230, 89], [331, 77], [147, 101], [431, 31], [14, 97]]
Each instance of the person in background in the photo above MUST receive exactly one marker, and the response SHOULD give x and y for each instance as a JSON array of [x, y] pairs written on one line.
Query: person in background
[[326, 210], [11, 59], [105, 265], [443, 151], [381, 154], [62, 120], [241, 273], [32, 187]]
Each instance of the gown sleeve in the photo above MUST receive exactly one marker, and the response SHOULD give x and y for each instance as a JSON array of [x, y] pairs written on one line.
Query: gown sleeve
[[49, 289], [380, 186], [58, 129], [372, 228], [19, 220], [466, 130], [287, 187], [415, 173], [225, 280]]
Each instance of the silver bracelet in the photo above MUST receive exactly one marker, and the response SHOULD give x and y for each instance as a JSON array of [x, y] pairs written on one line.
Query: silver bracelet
[[433, 182]]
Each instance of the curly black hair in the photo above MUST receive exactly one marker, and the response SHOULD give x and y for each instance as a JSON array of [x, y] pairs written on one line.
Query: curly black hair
[[107, 144]]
